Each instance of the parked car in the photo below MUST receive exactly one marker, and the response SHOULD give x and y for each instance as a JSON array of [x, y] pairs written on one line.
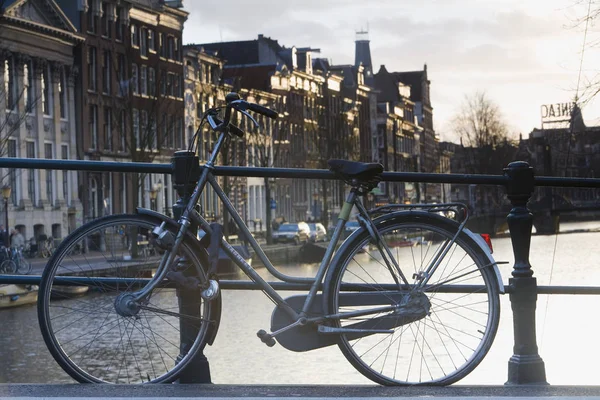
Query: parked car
[[350, 227], [296, 232], [317, 232]]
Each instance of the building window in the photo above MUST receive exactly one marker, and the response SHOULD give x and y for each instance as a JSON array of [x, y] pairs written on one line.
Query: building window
[[178, 85], [144, 130], [144, 42], [162, 45], [172, 129], [170, 47], [176, 49], [12, 173], [107, 129], [9, 83], [151, 41], [92, 69], [49, 174], [91, 20], [94, 126], [119, 25], [107, 65], [105, 20], [179, 133], [28, 86], [122, 77], [144, 80], [30, 150], [163, 83], [136, 128], [135, 36], [64, 149], [153, 139], [46, 91], [151, 81], [170, 83], [123, 130], [134, 78], [62, 94], [167, 137]]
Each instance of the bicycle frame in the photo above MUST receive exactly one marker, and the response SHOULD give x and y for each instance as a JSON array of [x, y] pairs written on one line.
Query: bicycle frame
[[191, 217]]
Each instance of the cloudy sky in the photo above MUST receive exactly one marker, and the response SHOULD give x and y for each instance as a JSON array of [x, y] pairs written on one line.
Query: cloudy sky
[[523, 53]]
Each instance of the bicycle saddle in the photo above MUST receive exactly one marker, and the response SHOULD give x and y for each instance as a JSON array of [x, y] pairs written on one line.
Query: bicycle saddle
[[349, 170]]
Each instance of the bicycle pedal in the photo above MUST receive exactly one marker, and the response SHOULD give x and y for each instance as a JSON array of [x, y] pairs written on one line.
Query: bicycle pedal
[[212, 291], [266, 338]]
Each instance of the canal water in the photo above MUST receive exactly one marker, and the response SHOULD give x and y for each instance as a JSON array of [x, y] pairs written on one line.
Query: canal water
[[567, 328]]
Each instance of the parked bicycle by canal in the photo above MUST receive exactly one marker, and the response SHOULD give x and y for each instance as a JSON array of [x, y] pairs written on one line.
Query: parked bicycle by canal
[[401, 315], [12, 261]]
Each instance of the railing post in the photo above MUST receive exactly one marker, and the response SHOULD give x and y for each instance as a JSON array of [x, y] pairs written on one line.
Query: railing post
[[185, 176], [525, 366]]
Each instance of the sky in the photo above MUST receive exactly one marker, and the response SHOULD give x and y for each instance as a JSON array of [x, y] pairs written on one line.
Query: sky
[[522, 53]]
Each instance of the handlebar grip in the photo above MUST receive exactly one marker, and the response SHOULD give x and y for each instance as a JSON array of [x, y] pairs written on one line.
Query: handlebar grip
[[267, 112], [235, 130]]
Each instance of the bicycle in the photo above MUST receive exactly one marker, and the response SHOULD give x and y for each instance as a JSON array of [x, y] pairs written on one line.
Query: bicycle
[[7, 265], [401, 315]]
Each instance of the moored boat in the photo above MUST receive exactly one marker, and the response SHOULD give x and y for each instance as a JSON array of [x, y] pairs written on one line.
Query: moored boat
[[17, 295]]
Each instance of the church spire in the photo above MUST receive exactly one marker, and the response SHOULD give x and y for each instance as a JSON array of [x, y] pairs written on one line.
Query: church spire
[[362, 53]]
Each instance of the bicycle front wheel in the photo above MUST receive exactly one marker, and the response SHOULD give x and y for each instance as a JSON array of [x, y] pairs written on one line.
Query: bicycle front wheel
[[433, 335], [94, 328]]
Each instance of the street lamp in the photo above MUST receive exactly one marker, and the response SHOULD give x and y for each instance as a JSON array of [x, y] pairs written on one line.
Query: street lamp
[[315, 198], [153, 195], [6, 194]]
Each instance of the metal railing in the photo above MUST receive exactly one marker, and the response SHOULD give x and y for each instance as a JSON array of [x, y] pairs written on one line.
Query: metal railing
[[525, 366]]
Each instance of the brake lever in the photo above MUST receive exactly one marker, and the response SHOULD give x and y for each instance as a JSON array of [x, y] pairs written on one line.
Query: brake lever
[[249, 116]]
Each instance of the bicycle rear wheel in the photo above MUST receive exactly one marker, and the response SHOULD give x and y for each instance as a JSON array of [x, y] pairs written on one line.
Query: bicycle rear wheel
[[8, 267], [93, 328], [435, 335]]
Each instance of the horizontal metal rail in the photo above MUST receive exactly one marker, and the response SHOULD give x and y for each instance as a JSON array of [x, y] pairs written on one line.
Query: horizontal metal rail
[[277, 285], [262, 172]]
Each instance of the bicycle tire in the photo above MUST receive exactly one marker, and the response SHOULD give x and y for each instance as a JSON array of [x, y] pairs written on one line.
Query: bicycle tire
[[24, 266], [111, 347], [8, 267], [442, 344]]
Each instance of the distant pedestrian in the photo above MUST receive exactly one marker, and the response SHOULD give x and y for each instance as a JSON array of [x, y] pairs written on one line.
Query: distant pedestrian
[[16, 239]]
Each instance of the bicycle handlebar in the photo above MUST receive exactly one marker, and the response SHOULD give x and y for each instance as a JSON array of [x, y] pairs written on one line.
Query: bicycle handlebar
[[235, 102], [267, 112]]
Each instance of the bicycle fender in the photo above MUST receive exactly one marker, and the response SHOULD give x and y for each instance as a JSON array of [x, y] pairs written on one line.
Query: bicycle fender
[[486, 249], [215, 311]]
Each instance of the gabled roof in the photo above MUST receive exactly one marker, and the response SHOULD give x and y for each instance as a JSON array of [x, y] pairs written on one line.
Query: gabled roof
[[415, 80], [41, 14], [250, 77], [387, 85], [236, 53]]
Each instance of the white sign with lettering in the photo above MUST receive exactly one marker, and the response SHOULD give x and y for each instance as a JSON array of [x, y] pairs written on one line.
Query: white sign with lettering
[[557, 112]]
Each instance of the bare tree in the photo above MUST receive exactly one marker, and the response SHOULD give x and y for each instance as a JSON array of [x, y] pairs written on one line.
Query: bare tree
[[330, 136], [479, 122], [586, 87], [144, 114]]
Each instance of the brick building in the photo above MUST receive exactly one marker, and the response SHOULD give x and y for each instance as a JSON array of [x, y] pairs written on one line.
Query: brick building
[[129, 97]]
